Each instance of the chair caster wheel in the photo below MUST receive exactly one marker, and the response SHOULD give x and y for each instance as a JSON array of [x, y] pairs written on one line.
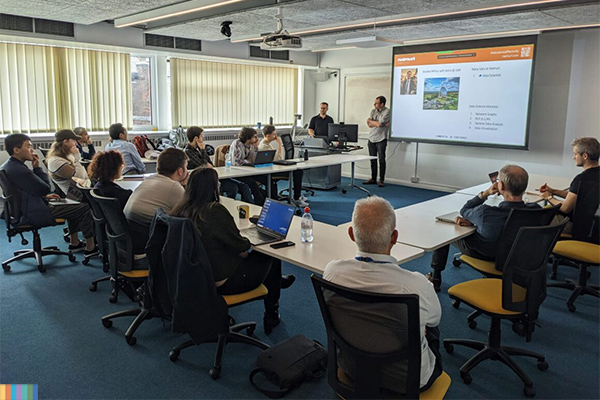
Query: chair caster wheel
[[6, 267], [472, 324], [24, 242], [107, 323], [571, 307], [250, 330], [112, 299], [449, 348], [174, 355], [456, 304], [542, 365], [344, 191], [131, 340], [528, 391], [93, 287], [85, 261], [231, 321], [215, 373], [466, 377], [72, 258], [41, 268], [456, 263]]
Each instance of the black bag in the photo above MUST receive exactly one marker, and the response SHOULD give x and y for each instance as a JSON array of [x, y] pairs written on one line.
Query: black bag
[[289, 363]]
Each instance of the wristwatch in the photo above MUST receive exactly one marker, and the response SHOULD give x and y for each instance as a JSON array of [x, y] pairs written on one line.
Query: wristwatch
[[480, 195]]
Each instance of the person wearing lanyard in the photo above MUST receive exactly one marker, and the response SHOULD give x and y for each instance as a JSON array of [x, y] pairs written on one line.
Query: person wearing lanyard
[[375, 270]]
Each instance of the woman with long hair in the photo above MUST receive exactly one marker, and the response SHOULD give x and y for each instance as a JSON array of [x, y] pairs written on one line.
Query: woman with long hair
[[105, 168], [64, 161], [236, 268]]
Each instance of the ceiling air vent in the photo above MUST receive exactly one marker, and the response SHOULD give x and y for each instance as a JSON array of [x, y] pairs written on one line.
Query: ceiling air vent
[[16, 23], [160, 41], [54, 27], [256, 51], [188, 44], [280, 55]]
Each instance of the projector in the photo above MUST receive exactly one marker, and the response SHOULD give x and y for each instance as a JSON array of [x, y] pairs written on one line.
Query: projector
[[281, 41]]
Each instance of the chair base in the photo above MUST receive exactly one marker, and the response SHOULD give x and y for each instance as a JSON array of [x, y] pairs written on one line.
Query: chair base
[[579, 288], [94, 285], [140, 314], [233, 336], [38, 252], [120, 284]]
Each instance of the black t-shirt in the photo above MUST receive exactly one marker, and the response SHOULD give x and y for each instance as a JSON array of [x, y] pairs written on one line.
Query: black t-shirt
[[320, 125], [588, 175]]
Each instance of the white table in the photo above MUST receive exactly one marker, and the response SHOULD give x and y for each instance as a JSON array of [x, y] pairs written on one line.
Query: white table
[[329, 243]]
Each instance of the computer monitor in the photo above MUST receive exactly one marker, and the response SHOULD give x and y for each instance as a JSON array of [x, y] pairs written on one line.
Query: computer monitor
[[342, 133]]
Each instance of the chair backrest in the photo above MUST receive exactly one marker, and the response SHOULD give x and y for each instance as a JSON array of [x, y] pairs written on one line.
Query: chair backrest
[[120, 247], [12, 202], [373, 338], [525, 268], [288, 145], [586, 215], [97, 216], [518, 218], [220, 152]]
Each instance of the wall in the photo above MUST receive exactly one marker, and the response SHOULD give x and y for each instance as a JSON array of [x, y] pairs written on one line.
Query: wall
[[564, 106]]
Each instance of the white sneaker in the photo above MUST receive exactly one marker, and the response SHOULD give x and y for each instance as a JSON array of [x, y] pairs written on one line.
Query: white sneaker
[[302, 198], [301, 203]]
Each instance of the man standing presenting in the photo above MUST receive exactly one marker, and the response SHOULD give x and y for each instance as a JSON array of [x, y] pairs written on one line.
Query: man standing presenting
[[378, 121], [375, 270], [319, 124]]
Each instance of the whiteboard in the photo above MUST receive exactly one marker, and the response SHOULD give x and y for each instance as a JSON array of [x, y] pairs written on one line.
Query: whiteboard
[[359, 95]]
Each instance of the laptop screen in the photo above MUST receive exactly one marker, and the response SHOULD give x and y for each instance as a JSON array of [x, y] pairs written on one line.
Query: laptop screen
[[276, 217]]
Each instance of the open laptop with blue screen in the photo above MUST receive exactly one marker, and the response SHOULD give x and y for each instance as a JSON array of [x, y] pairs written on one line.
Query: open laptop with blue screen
[[264, 158], [273, 223]]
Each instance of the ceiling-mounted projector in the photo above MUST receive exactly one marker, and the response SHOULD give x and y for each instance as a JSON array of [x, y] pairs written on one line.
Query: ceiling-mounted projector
[[280, 39]]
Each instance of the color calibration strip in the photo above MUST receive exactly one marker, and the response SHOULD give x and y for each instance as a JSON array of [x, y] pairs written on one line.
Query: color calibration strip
[[18, 392]]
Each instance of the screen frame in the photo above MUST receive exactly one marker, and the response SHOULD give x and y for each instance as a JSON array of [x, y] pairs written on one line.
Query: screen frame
[[466, 45]]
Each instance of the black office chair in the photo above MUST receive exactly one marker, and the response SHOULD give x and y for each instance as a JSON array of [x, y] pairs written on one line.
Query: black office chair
[[517, 296], [373, 344], [12, 216], [584, 250], [288, 147], [192, 302]]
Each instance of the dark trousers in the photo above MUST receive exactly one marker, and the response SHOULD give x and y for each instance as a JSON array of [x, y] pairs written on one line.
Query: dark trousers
[[231, 187], [256, 269], [440, 256], [378, 149], [257, 192], [297, 183], [78, 216], [432, 335]]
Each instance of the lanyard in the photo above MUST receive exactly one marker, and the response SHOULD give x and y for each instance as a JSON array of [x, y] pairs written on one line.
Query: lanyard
[[369, 259]]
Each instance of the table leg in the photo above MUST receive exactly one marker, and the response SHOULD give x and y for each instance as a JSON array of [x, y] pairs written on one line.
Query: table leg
[[352, 184], [269, 185], [290, 178]]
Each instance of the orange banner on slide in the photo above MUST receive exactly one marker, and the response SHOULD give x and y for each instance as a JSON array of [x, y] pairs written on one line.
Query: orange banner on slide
[[505, 53]]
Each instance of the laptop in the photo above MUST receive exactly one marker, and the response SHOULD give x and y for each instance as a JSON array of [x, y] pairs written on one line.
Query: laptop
[[285, 162], [273, 223], [263, 158], [450, 217]]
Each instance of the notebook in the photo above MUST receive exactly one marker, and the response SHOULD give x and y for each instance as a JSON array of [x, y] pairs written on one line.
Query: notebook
[[263, 158], [272, 225], [450, 217]]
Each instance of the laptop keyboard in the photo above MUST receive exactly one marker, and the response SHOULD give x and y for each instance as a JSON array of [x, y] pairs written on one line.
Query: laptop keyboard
[[256, 234]]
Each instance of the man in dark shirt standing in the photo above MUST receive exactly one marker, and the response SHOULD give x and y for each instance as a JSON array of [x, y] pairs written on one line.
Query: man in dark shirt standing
[[489, 220], [586, 151], [319, 124]]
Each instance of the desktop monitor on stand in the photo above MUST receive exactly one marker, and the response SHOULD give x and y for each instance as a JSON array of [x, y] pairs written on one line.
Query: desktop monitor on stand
[[342, 134]]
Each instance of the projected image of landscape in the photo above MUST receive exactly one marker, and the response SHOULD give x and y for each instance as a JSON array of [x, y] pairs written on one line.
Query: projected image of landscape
[[441, 93]]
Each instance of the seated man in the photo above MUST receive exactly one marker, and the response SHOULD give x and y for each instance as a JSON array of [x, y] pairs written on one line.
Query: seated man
[[164, 190], [199, 158], [489, 220], [33, 188], [585, 153], [118, 141], [243, 152], [272, 142], [375, 270]]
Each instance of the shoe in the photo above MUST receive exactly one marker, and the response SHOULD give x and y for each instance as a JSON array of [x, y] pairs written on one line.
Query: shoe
[[437, 282], [287, 281], [380, 184], [270, 321], [302, 198], [369, 182], [301, 203], [91, 253], [76, 248]]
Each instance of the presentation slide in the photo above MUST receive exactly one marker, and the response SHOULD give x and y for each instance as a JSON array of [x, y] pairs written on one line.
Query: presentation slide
[[477, 96]]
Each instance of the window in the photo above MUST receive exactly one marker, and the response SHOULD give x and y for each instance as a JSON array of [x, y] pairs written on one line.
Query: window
[[141, 94], [212, 94]]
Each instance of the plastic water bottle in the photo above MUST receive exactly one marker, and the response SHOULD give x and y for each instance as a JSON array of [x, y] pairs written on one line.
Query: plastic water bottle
[[228, 160], [306, 226]]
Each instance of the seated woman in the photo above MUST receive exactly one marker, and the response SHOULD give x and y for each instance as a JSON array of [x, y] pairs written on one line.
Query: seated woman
[[85, 145], [64, 161], [236, 267], [105, 168]]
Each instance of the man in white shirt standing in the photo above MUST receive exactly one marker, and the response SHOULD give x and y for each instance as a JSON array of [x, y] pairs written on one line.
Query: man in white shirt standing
[[375, 270], [379, 122]]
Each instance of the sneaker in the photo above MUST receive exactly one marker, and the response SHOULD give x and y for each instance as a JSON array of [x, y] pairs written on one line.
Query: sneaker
[[91, 253], [76, 248], [380, 184], [302, 198], [437, 282], [270, 321], [369, 182], [302, 203]]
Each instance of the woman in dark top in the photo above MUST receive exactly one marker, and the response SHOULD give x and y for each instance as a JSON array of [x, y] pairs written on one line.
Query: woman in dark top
[[104, 169], [236, 268]]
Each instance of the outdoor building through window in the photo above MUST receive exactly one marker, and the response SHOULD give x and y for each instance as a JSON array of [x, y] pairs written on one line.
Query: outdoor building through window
[[141, 94]]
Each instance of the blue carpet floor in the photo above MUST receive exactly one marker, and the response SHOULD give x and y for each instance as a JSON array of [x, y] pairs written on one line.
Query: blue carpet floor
[[51, 334]]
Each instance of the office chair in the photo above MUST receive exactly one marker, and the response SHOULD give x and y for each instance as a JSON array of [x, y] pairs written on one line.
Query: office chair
[[12, 216], [288, 147], [516, 296], [373, 344], [583, 251], [517, 218], [180, 267], [220, 152]]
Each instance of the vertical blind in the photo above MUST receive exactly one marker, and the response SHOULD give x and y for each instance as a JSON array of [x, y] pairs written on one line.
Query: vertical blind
[[44, 89], [211, 94]]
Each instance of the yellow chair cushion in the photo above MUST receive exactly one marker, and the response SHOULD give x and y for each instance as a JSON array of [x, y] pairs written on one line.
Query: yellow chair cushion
[[233, 299], [564, 236], [579, 251], [488, 268], [486, 295], [135, 274]]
